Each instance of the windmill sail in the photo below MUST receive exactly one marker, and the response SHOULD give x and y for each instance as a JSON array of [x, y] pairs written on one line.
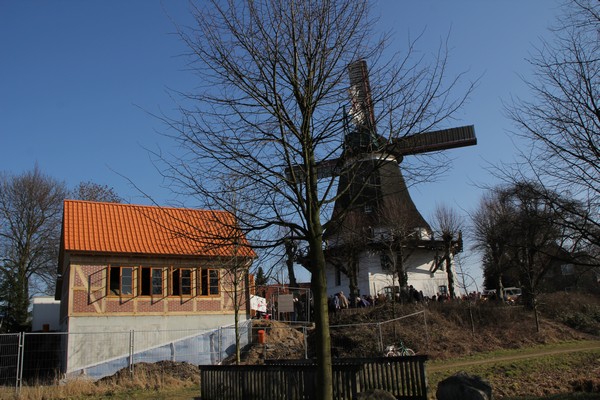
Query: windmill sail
[[362, 112], [433, 141]]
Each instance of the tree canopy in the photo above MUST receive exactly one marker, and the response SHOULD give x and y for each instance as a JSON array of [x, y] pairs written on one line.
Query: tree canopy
[[560, 124], [31, 214]]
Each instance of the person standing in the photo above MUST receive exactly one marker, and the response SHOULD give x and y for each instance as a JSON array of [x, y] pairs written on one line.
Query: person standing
[[343, 301]]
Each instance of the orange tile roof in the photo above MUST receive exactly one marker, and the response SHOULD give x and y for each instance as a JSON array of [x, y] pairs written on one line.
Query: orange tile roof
[[124, 228]]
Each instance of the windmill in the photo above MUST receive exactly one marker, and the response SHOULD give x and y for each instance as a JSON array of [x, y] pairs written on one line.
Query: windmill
[[368, 169], [370, 178]]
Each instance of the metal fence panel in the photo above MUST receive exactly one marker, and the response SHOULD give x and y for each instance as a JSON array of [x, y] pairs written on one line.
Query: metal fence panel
[[9, 358]]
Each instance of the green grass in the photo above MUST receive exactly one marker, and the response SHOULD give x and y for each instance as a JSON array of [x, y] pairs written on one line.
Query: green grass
[[189, 393], [515, 377], [526, 351]]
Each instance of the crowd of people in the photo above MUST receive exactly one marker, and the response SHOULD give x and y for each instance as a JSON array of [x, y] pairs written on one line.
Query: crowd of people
[[340, 301], [405, 295]]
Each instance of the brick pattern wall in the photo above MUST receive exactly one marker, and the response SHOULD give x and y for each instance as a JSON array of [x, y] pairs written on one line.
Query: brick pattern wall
[[89, 295]]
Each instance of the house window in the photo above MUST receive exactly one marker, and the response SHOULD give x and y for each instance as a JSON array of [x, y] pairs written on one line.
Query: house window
[[567, 269], [181, 282], [121, 281], [209, 282], [151, 282], [157, 280]]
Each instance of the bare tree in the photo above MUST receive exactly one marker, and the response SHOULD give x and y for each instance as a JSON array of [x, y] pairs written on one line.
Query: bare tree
[[236, 268], [535, 237], [522, 231], [291, 251], [492, 230], [273, 85], [30, 211], [236, 271], [561, 124], [92, 191], [398, 238], [345, 257], [449, 225]]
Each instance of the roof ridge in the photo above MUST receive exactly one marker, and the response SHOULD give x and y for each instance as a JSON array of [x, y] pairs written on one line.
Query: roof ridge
[[113, 204]]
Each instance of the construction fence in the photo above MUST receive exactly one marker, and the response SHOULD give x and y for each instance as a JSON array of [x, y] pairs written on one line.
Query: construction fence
[[50, 357]]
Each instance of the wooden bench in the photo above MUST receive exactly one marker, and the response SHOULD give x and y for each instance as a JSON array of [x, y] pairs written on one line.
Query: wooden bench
[[404, 377]]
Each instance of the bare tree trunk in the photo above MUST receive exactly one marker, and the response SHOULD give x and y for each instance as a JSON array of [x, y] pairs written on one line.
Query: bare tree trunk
[[450, 275], [535, 313], [321, 310], [400, 272], [290, 250], [236, 320], [500, 293], [353, 278]]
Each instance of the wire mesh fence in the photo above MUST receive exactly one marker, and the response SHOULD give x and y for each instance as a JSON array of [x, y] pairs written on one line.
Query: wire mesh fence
[[370, 339], [40, 358]]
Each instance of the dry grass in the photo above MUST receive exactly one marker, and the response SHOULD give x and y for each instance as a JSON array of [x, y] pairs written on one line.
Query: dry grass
[[155, 377], [75, 388]]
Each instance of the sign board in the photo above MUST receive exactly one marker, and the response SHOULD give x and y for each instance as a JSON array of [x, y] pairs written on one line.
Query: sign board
[[258, 303], [285, 303]]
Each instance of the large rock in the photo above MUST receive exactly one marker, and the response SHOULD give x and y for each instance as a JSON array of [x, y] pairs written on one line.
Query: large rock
[[463, 386], [375, 394]]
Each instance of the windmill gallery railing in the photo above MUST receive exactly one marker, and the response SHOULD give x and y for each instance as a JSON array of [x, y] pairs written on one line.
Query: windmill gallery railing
[[404, 377]]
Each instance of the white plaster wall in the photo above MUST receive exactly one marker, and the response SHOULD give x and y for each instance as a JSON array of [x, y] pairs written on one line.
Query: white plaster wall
[[93, 340], [372, 278], [45, 311]]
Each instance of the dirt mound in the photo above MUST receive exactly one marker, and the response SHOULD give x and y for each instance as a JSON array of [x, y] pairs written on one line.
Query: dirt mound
[[282, 341]]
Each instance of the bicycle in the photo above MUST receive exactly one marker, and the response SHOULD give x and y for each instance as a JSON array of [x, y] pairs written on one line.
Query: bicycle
[[398, 351]]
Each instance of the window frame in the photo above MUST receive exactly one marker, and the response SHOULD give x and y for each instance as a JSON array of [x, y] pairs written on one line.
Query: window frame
[[205, 286], [177, 282], [131, 278], [147, 289]]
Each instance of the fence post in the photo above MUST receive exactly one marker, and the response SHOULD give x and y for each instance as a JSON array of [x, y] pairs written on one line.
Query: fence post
[[131, 347], [305, 343], [172, 348], [426, 331], [220, 344], [20, 362], [380, 338]]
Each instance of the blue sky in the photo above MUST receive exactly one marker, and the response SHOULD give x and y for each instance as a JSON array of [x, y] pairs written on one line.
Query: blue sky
[[78, 80]]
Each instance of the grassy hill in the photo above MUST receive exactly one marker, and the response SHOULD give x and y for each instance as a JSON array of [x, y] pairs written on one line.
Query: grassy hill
[[448, 330]]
